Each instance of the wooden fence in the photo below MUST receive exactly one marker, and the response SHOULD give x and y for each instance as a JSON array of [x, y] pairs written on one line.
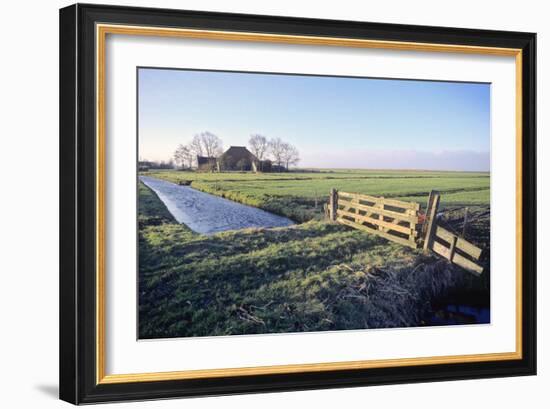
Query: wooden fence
[[404, 223], [450, 246], [392, 219], [447, 244]]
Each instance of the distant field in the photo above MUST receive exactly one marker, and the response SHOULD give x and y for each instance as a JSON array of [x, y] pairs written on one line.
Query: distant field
[[300, 195]]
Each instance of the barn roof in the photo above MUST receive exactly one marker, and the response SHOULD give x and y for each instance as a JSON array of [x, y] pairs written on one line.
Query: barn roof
[[203, 160], [239, 152]]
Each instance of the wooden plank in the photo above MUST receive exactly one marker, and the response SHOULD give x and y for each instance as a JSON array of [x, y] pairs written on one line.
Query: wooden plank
[[431, 214], [399, 216], [392, 224], [380, 224], [367, 219], [358, 196], [457, 258], [387, 236], [467, 264], [441, 250], [347, 205], [351, 205], [465, 246], [389, 202], [401, 204], [354, 205], [429, 206]]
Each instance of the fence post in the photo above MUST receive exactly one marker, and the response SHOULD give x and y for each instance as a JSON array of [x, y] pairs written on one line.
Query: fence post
[[315, 193], [430, 223], [333, 204], [380, 205], [452, 248], [465, 225]]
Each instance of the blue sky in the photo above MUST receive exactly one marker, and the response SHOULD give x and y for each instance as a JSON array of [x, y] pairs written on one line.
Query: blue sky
[[337, 122]]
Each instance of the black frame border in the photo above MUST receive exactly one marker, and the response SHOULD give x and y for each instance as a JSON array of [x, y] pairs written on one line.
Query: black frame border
[[78, 210]]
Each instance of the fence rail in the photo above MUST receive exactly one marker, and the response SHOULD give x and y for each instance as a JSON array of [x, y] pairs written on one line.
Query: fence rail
[[449, 246], [403, 223]]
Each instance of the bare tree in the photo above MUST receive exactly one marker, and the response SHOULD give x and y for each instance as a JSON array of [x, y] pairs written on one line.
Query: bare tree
[[206, 144], [276, 148], [289, 155], [178, 159], [183, 156], [196, 146], [188, 156], [258, 145]]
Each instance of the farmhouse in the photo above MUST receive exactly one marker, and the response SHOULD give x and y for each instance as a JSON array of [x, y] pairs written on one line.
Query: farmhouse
[[207, 163], [236, 158]]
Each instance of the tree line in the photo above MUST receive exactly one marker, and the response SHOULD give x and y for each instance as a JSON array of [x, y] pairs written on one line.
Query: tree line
[[202, 144], [279, 152]]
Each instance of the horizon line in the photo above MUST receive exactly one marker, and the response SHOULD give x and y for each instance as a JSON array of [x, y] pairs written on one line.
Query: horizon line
[[343, 168]]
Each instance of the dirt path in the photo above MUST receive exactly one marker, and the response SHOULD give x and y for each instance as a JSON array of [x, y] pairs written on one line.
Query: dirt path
[[207, 214]]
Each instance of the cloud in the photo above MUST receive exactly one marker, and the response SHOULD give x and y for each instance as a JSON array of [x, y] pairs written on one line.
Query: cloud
[[464, 160]]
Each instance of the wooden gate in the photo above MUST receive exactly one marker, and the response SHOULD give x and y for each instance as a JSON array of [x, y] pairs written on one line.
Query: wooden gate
[[392, 219], [403, 223]]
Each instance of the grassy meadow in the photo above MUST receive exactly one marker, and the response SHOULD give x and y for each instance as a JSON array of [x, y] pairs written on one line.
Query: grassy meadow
[[300, 195], [313, 276]]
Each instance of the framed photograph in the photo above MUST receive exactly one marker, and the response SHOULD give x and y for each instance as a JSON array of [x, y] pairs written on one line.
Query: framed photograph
[[257, 203]]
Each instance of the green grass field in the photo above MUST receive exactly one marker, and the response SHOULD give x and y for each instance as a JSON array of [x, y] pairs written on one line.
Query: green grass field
[[313, 276], [300, 195]]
